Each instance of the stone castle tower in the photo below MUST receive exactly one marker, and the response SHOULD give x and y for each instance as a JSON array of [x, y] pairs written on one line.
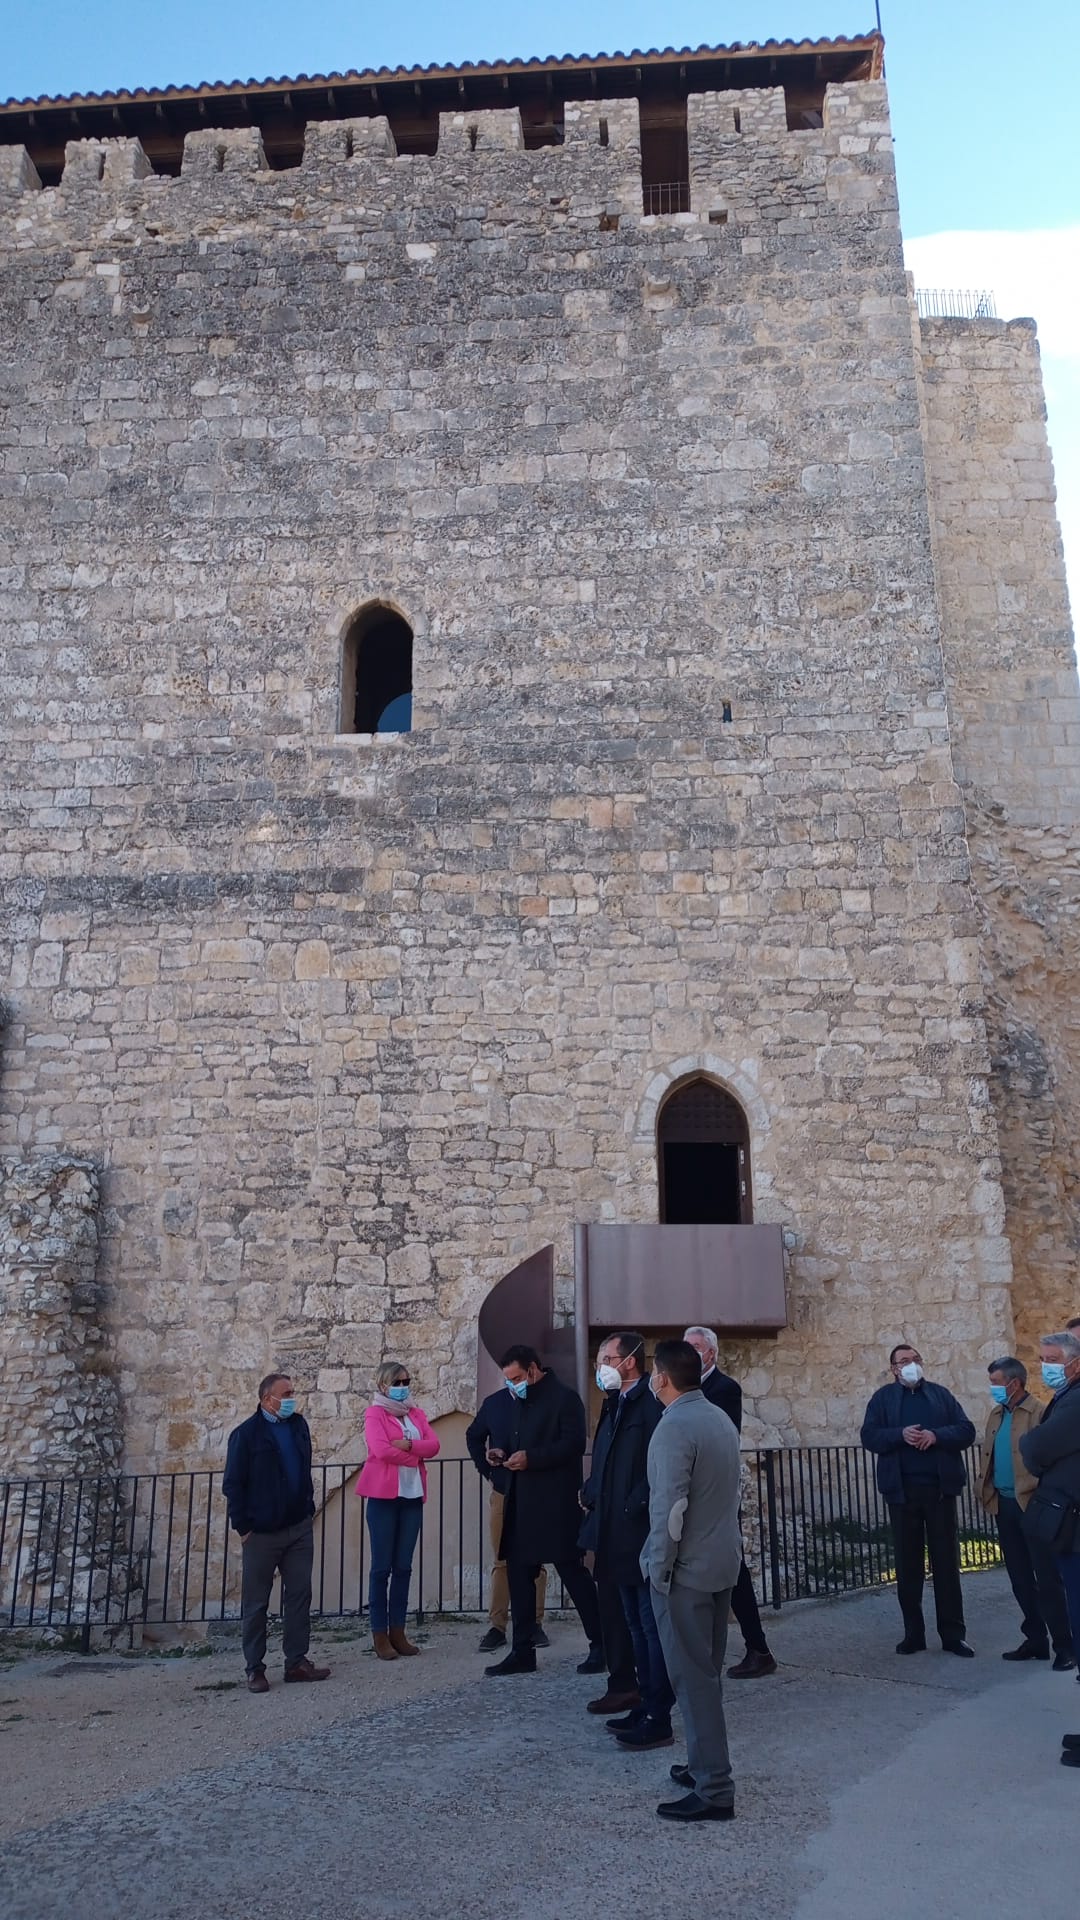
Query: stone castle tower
[[536, 692]]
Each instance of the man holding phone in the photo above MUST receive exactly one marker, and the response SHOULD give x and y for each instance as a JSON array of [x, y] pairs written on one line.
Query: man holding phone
[[528, 1440]]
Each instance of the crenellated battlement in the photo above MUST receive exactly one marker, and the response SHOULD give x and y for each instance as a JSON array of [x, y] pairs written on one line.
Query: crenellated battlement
[[746, 167]]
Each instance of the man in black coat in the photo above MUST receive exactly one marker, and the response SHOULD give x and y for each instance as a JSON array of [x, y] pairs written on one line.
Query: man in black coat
[[616, 1502], [271, 1496], [919, 1433], [758, 1659], [531, 1434], [1052, 1450]]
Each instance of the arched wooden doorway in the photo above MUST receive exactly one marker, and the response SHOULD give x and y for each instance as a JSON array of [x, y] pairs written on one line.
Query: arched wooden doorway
[[703, 1155]]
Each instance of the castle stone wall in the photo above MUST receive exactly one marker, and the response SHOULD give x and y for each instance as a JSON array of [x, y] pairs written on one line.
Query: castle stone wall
[[1014, 704], [353, 1025]]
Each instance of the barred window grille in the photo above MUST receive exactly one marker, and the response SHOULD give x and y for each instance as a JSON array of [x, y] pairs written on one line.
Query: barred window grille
[[668, 196]]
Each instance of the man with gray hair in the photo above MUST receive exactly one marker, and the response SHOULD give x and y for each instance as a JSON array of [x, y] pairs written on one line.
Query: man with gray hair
[[1052, 1451], [726, 1393], [1005, 1486], [691, 1561]]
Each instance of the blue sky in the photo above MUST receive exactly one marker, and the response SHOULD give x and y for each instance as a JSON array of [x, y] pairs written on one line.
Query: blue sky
[[981, 94]]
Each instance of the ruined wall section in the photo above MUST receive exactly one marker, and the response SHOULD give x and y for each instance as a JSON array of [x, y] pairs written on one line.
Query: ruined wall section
[[60, 1412], [1014, 705], [355, 1025]]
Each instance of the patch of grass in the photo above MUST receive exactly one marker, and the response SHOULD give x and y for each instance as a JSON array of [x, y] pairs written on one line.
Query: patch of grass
[[217, 1686]]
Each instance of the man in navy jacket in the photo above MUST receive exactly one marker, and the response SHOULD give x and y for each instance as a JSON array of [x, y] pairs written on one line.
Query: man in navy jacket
[[268, 1486], [919, 1433]]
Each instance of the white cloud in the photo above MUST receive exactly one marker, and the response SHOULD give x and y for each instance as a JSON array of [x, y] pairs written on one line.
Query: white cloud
[[1032, 276]]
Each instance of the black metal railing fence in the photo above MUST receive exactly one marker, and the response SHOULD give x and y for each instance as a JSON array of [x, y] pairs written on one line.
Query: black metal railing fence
[[138, 1550], [955, 303]]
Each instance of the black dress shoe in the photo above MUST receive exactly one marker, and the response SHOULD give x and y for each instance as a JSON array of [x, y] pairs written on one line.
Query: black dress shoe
[[540, 1638], [682, 1776], [514, 1663], [693, 1807], [910, 1645], [1063, 1663], [648, 1734], [594, 1661], [958, 1647], [1025, 1651], [1071, 1742], [1070, 1758], [493, 1639], [634, 1718]]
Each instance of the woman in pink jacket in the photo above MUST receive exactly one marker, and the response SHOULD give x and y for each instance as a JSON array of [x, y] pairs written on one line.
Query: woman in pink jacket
[[393, 1480]]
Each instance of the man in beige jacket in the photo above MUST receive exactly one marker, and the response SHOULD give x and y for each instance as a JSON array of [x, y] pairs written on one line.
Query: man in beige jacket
[[1005, 1487]]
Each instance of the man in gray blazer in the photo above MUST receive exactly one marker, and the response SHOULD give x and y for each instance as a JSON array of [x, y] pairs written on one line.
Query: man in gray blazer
[[691, 1560]]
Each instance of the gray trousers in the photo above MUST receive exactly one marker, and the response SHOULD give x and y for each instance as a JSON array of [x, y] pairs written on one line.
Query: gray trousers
[[290, 1552], [693, 1633]]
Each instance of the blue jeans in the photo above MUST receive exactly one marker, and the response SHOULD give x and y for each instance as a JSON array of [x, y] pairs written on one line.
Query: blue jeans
[[654, 1686], [1068, 1565], [394, 1527]]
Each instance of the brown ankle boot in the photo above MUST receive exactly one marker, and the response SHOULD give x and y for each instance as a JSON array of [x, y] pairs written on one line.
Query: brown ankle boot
[[400, 1643], [384, 1646]]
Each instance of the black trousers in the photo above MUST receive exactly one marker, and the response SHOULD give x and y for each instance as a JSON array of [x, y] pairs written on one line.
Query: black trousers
[[745, 1608], [926, 1523], [522, 1576], [1035, 1581], [615, 1634]]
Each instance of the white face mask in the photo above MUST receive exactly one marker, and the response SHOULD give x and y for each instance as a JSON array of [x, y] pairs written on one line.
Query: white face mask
[[911, 1374], [652, 1386], [608, 1378]]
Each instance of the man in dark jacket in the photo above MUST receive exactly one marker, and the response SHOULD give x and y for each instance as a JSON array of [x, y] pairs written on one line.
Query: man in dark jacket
[[532, 1434], [726, 1393], [919, 1433], [1052, 1450], [616, 1501], [268, 1486]]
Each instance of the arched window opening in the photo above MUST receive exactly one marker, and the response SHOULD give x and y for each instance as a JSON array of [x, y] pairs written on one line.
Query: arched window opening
[[703, 1150], [376, 673]]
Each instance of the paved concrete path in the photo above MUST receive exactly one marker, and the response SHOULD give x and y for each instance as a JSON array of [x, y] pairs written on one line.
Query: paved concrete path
[[868, 1786]]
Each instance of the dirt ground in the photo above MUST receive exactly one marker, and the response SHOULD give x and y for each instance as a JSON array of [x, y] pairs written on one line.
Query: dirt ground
[[79, 1730]]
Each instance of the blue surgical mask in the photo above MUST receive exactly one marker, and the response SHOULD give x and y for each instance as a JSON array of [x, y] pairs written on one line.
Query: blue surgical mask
[[399, 1394], [286, 1410], [1053, 1374], [519, 1388], [1000, 1395]]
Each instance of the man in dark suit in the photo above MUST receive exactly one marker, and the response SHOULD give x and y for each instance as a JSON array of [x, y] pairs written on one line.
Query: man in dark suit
[[726, 1393], [268, 1486], [1052, 1450], [616, 1502], [531, 1435], [919, 1433]]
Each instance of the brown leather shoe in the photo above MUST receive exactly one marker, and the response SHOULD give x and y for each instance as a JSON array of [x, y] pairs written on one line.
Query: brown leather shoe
[[400, 1641], [384, 1647], [614, 1703], [752, 1666], [257, 1681], [304, 1670]]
